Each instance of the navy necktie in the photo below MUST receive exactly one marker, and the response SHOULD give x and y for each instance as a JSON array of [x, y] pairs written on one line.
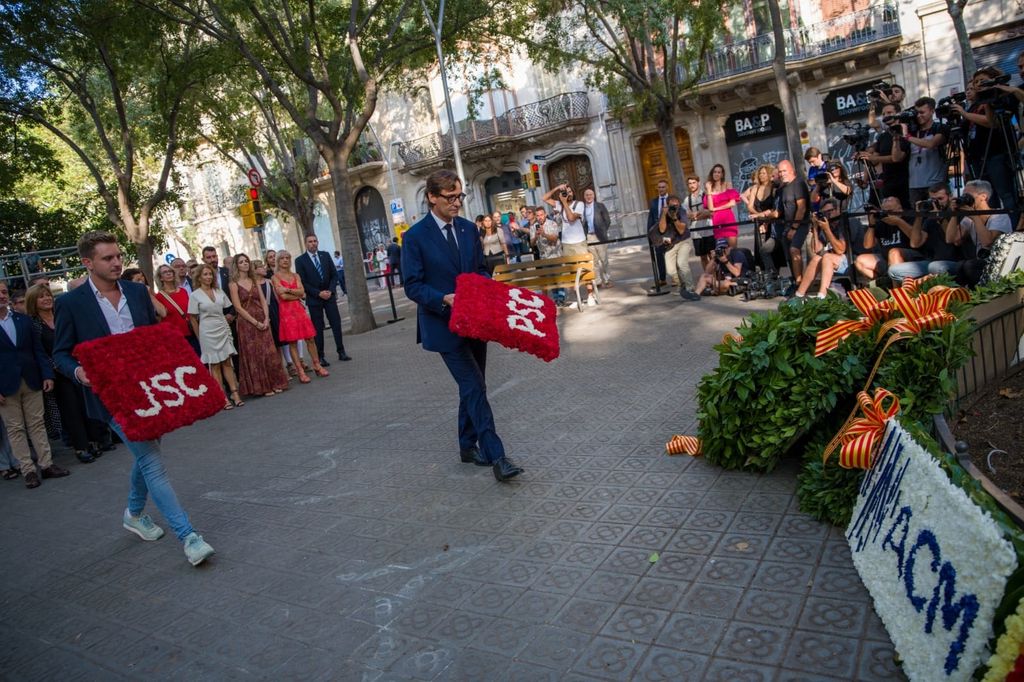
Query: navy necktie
[[315, 257], [453, 246]]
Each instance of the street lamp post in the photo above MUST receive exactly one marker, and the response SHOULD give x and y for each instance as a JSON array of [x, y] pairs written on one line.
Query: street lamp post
[[435, 28]]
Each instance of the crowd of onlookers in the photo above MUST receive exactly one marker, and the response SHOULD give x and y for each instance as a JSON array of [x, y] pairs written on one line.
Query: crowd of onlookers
[[253, 323], [937, 183]]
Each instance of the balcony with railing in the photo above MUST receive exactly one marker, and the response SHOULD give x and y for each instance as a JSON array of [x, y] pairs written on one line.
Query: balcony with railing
[[874, 24], [526, 122]]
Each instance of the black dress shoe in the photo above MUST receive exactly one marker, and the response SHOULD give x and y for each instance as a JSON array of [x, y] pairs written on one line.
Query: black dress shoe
[[472, 456], [505, 469], [32, 480], [85, 457], [324, 363], [54, 471], [343, 356]]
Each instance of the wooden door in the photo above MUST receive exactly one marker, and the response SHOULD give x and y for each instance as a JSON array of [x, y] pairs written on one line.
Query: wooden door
[[655, 167], [574, 171]]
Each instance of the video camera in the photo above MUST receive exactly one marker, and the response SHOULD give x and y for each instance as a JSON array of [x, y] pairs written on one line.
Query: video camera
[[907, 116], [857, 136], [944, 107], [986, 90], [880, 88]]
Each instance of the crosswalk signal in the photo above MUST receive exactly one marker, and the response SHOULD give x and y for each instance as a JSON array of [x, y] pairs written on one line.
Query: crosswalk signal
[[527, 180], [252, 210], [535, 175]]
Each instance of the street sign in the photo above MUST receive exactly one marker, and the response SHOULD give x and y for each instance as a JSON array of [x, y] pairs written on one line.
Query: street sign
[[397, 211], [255, 179], [169, 258]]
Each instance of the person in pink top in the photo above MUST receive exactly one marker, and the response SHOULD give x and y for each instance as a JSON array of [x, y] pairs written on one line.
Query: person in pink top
[[720, 198]]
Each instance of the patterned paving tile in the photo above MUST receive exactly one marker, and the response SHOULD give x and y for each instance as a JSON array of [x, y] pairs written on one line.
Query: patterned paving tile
[[763, 644], [611, 659]]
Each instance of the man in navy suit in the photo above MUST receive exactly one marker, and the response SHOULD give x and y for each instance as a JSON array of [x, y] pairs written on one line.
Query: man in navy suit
[[658, 205], [320, 279], [102, 306], [25, 373], [436, 250]]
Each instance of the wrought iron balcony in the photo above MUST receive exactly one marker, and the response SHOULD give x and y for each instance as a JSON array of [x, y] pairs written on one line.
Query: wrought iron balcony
[[870, 25], [528, 120]]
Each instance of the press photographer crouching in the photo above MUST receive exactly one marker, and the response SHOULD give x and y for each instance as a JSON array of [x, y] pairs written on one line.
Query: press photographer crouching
[[828, 247], [886, 240], [928, 236], [728, 265], [975, 232]]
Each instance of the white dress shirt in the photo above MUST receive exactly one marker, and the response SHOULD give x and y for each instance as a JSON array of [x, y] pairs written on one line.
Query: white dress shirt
[[7, 324], [120, 319], [440, 226]]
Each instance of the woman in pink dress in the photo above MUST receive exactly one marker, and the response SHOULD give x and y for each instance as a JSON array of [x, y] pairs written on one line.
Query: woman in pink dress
[[293, 321], [720, 198]]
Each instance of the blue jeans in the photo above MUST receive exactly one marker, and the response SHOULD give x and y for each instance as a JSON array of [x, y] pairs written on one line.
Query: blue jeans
[[911, 270], [150, 478], [939, 267]]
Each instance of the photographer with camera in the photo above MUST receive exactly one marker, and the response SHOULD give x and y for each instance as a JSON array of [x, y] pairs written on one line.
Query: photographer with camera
[[674, 232], [887, 240], [570, 215], [816, 163], [892, 151], [832, 183], [976, 231], [928, 236], [990, 135], [544, 237], [927, 138], [881, 94], [729, 263], [828, 246]]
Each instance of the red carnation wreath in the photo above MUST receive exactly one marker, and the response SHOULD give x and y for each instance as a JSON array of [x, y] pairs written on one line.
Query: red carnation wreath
[[150, 380], [514, 317]]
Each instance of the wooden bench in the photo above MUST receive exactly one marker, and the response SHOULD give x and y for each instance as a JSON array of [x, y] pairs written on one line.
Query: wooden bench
[[551, 273]]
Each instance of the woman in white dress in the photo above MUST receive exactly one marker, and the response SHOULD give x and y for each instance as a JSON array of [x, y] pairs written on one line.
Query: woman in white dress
[[206, 307]]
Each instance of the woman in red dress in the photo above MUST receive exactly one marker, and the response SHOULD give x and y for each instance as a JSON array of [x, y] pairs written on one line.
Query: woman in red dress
[[175, 301], [719, 198], [259, 366], [294, 324]]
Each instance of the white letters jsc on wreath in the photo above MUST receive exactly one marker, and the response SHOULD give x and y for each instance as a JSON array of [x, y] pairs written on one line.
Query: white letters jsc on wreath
[[160, 382]]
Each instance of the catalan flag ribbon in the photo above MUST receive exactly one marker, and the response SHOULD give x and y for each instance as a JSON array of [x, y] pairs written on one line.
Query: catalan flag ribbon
[[873, 311], [927, 311], [861, 437], [684, 445]]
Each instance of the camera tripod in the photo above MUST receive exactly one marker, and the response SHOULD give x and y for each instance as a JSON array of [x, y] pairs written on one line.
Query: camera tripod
[[956, 156]]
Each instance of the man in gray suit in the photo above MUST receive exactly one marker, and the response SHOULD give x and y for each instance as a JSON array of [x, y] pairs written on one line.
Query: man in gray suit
[[596, 222]]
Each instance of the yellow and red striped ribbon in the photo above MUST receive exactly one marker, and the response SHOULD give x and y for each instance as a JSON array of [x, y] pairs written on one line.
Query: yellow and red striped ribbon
[[873, 311], [861, 437], [684, 445]]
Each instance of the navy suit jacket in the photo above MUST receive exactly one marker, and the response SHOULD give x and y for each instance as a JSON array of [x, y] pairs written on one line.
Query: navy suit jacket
[[312, 282], [429, 271], [24, 361], [79, 319], [654, 213]]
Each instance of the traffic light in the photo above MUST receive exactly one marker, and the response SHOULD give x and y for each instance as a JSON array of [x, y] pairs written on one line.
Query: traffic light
[[535, 174], [252, 210], [526, 178]]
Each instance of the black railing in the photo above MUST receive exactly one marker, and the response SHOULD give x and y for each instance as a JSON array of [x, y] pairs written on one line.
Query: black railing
[[997, 352], [807, 42], [552, 113]]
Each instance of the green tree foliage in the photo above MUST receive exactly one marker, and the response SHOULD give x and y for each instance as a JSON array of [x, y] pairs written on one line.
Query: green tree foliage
[[24, 153], [324, 63], [645, 55], [114, 83]]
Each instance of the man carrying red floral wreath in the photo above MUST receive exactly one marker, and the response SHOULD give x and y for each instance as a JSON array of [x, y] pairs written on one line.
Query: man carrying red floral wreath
[[435, 251], [102, 306]]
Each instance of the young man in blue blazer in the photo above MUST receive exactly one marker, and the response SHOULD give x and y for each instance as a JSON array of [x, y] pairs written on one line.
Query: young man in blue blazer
[[25, 373], [436, 250], [101, 306]]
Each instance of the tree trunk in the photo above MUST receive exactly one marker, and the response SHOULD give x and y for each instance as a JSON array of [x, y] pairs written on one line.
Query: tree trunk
[[144, 252], [667, 133], [787, 99], [956, 13], [348, 233]]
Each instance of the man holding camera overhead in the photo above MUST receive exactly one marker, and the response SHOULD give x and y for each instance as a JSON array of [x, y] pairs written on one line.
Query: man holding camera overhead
[[927, 138]]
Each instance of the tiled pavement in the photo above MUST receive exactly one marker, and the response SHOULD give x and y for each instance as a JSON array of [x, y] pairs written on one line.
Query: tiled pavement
[[352, 545]]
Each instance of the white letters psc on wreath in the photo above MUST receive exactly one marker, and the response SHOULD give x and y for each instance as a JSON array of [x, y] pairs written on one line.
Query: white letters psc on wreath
[[159, 382], [525, 306]]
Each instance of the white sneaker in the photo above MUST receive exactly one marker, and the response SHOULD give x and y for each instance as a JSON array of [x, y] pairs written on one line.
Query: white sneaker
[[142, 526], [591, 301]]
